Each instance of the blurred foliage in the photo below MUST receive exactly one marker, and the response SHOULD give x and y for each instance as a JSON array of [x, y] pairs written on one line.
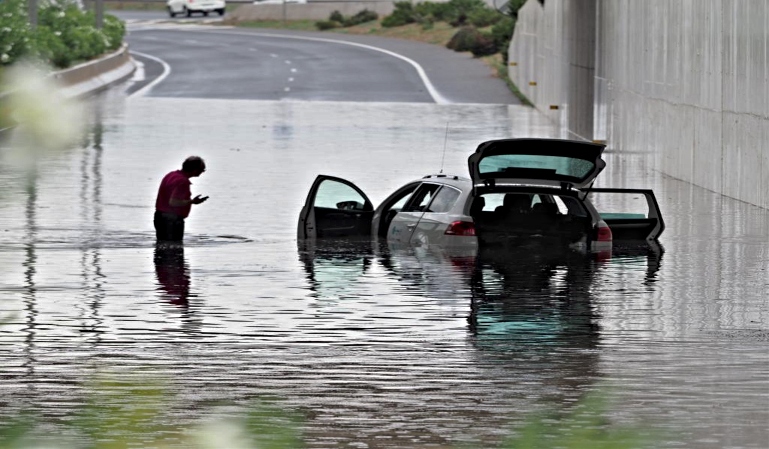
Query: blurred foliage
[[129, 414], [337, 19], [586, 426], [468, 38], [64, 35], [482, 30], [123, 414]]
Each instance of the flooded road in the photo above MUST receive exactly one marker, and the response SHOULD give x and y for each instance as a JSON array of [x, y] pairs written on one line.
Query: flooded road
[[372, 346]]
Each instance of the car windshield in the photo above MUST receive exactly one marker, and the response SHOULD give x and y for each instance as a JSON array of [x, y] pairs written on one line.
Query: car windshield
[[539, 166]]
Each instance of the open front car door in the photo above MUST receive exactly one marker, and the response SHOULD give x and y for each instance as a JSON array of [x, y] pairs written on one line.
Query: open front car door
[[633, 215], [335, 207]]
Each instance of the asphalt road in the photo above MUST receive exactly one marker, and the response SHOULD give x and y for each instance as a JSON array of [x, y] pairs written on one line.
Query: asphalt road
[[263, 64]]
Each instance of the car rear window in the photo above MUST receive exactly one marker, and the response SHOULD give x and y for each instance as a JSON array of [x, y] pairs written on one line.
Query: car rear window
[[561, 204], [514, 165]]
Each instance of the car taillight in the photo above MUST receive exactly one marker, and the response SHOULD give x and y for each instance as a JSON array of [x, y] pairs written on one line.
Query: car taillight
[[461, 228], [603, 233]]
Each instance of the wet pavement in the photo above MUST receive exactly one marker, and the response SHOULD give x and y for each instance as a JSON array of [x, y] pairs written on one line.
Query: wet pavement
[[373, 346]]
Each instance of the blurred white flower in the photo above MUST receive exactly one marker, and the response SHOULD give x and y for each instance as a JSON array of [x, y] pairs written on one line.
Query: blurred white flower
[[229, 434], [4, 57], [57, 33], [45, 119]]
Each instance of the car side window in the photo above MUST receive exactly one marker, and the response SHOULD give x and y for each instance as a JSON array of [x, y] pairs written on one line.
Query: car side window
[[421, 198], [336, 195], [443, 200]]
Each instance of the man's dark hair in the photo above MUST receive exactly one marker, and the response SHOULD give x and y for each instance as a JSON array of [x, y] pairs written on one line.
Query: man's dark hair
[[193, 164]]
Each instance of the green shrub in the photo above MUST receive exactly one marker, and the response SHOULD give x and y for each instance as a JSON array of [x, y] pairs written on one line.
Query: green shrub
[[64, 34], [336, 19], [440, 12], [502, 33], [361, 17], [15, 32], [114, 30], [470, 39], [51, 48], [463, 39], [402, 15], [460, 11], [326, 25], [483, 17], [336, 16]]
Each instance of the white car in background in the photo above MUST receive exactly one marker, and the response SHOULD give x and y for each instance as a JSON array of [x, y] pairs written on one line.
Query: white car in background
[[189, 7]]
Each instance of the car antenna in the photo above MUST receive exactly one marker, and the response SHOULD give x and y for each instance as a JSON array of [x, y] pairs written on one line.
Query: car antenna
[[445, 139]]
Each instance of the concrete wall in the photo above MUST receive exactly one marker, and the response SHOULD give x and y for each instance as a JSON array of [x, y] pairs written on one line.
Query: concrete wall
[[684, 80], [307, 11]]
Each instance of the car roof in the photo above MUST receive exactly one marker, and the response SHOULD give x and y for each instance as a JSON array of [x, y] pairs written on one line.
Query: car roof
[[453, 180]]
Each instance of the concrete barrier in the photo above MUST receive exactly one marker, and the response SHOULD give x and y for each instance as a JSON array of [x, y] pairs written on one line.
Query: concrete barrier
[[306, 11], [92, 76]]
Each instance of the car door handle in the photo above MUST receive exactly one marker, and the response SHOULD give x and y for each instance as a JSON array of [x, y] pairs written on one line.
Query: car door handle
[[411, 226]]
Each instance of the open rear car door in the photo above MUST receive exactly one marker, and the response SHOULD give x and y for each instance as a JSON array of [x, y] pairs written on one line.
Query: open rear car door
[[633, 215], [335, 207]]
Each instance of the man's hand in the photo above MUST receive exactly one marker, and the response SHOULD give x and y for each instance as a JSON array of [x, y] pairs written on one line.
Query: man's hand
[[198, 199]]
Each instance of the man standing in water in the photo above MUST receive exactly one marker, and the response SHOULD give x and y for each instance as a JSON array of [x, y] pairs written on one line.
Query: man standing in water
[[174, 200]]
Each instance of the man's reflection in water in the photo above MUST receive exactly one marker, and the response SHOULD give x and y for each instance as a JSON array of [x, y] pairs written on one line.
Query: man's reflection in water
[[173, 273]]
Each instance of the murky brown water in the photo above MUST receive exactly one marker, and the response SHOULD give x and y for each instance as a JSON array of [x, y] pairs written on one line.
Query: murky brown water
[[375, 347]]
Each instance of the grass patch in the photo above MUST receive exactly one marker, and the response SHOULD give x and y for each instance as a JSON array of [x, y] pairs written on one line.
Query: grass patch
[[134, 6]]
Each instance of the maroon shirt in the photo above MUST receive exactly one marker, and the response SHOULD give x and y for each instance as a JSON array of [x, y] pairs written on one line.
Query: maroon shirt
[[174, 184]]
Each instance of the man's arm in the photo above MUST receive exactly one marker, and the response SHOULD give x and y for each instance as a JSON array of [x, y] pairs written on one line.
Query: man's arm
[[176, 202]]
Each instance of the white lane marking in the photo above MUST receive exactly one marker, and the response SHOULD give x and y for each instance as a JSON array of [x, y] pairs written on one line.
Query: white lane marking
[[293, 70], [291, 80], [139, 72], [437, 97], [288, 62], [166, 71], [286, 89]]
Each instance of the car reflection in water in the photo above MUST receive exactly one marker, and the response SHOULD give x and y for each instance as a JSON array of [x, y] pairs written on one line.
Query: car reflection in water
[[334, 265], [531, 309], [526, 301]]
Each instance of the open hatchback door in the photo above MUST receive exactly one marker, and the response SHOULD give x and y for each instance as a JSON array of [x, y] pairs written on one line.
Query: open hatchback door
[[546, 162], [335, 207], [633, 215]]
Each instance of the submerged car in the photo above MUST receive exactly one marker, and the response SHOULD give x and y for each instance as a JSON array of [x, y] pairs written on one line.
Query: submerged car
[[189, 7], [518, 192]]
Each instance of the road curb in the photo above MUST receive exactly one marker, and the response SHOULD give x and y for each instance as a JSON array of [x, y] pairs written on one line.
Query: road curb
[[93, 76]]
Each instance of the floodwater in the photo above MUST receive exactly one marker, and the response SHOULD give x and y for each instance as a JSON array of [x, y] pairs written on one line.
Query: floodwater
[[371, 346]]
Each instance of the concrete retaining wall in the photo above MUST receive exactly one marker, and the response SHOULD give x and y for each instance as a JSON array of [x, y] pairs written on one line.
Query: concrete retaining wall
[[685, 81], [307, 11]]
